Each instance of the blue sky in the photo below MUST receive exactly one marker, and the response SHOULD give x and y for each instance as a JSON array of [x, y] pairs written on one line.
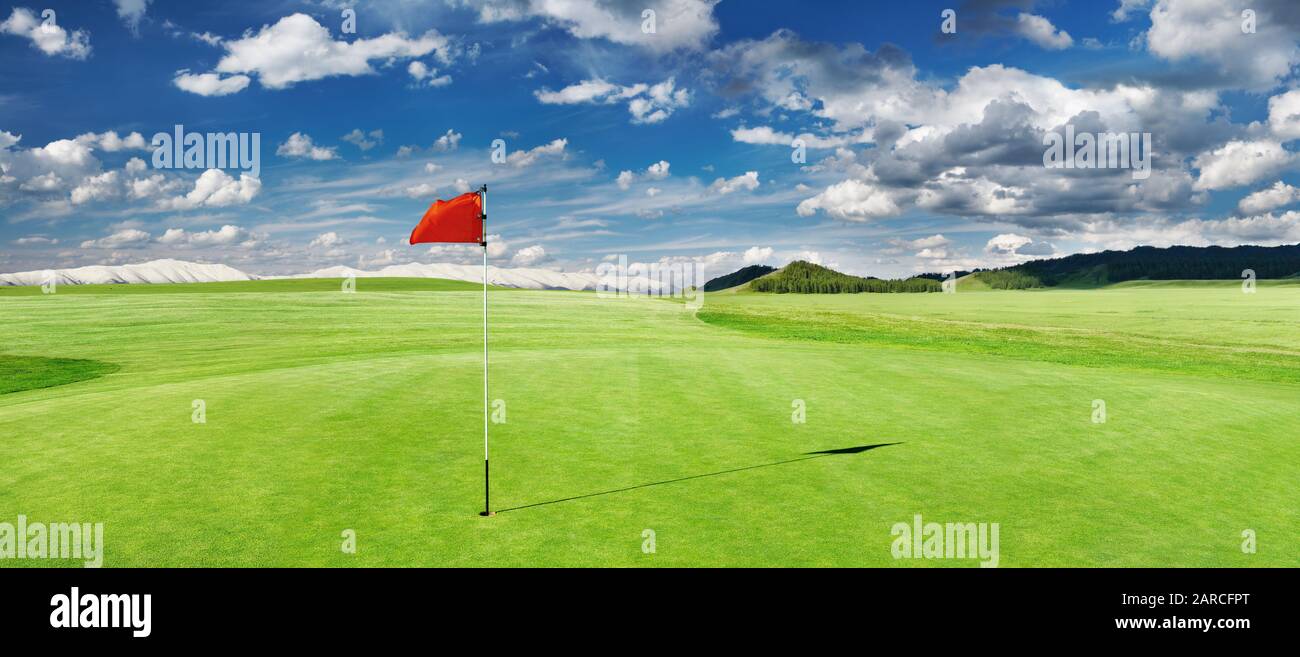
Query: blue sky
[[923, 149]]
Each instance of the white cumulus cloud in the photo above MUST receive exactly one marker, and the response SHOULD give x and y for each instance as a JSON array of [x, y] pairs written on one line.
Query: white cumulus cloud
[[426, 76], [1041, 31], [625, 179], [449, 141], [111, 142], [1011, 244], [216, 188], [1284, 115], [301, 146], [364, 140], [227, 235], [529, 256], [100, 187], [296, 49], [747, 181], [645, 102], [210, 84], [1240, 163], [132, 12], [1269, 198], [525, 158], [755, 255], [851, 200], [658, 170]]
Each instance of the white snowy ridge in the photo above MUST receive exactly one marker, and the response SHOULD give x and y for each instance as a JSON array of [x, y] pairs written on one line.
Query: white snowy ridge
[[154, 271], [178, 271]]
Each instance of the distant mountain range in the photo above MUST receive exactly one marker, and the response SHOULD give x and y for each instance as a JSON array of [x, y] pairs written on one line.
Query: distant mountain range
[[179, 271], [155, 271]]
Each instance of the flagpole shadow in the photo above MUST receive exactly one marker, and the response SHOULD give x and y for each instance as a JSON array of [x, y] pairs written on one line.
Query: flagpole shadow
[[806, 457]]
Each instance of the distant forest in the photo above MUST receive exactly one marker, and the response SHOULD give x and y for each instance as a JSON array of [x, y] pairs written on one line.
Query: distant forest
[[1148, 263]]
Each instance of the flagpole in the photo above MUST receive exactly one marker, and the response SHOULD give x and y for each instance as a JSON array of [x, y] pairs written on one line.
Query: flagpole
[[487, 486]]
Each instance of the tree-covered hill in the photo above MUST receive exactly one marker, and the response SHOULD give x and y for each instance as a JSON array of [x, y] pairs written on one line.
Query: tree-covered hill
[[738, 277], [806, 278]]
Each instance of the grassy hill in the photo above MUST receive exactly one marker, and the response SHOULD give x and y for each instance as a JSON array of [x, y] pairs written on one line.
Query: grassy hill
[[1091, 270], [738, 277], [801, 277]]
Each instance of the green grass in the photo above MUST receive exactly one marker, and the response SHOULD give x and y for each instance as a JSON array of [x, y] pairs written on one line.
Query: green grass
[[1234, 286], [329, 411], [1088, 347]]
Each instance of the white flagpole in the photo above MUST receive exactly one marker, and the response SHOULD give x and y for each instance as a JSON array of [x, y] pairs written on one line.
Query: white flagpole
[[487, 507]]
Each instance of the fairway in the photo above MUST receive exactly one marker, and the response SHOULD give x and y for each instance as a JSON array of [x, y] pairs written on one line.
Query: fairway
[[326, 412]]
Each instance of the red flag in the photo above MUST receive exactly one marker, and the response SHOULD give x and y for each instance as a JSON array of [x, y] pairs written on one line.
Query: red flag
[[457, 220]]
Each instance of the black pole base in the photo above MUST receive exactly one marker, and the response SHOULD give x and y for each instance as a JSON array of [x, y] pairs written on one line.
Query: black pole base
[[487, 504]]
